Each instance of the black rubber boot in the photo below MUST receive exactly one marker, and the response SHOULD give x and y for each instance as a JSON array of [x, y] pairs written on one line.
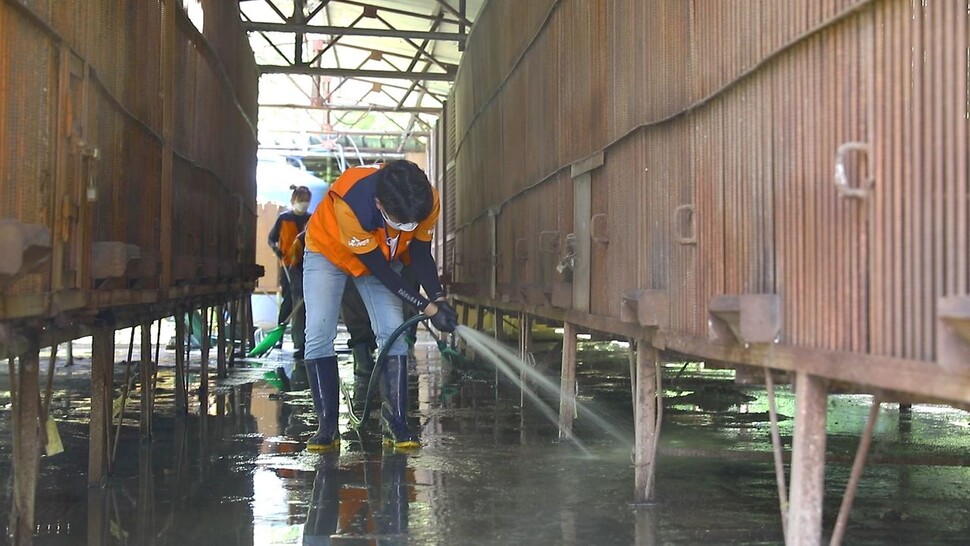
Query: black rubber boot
[[394, 389], [322, 375], [363, 366]]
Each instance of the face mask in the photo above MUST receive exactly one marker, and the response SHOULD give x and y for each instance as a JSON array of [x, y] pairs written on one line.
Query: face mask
[[410, 226], [301, 207]]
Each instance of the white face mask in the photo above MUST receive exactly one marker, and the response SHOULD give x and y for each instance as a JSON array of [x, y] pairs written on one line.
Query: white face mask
[[409, 226], [301, 207]]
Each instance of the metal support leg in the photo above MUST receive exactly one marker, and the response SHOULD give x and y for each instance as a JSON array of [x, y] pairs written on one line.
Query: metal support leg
[[25, 389], [204, 359], [646, 525], [233, 325], [499, 327], [567, 384], [807, 489], [146, 498], [102, 389], [645, 421], [248, 330], [181, 397], [525, 348], [777, 450], [221, 368], [97, 516], [147, 379]]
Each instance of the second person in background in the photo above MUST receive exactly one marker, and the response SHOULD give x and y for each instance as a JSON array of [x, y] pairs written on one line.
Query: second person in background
[[286, 240]]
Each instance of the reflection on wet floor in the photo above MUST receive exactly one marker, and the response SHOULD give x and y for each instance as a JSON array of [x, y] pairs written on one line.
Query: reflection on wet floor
[[489, 471]]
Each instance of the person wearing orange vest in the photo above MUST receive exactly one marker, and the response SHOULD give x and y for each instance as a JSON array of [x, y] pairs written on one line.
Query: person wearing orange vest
[[371, 222], [285, 240]]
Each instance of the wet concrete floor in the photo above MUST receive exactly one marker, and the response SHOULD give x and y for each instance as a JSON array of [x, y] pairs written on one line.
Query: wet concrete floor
[[488, 472]]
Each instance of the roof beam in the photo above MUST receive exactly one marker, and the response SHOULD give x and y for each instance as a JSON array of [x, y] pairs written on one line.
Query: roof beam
[[357, 73], [358, 108], [316, 10], [420, 48], [398, 11], [414, 63], [453, 11], [272, 6], [254, 26]]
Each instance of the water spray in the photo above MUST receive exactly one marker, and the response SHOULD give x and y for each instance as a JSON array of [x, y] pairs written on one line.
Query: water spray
[[479, 345], [500, 356]]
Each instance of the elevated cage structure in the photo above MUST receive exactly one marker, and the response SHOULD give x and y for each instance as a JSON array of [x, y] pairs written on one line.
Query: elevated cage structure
[[127, 194], [777, 185]]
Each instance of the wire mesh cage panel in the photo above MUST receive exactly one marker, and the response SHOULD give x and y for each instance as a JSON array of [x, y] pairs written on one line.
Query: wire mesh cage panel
[[813, 152], [128, 157]]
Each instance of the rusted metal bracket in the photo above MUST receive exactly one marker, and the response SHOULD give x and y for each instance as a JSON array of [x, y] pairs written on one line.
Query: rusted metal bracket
[[251, 272], [649, 308], [506, 292], [147, 266], [746, 318], [599, 231], [521, 250], [110, 259], [953, 334], [680, 213], [549, 242], [646, 307], [24, 247], [842, 177], [562, 295], [536, 294]]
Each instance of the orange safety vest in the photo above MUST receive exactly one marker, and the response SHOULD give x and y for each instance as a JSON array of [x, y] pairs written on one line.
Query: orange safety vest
[[290, 244], [323, 234]]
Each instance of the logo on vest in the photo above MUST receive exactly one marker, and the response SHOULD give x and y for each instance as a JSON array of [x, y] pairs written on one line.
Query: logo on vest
[[354, 242]]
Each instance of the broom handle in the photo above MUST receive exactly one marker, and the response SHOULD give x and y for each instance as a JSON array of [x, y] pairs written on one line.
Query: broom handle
[[46, 404], [289, 281]]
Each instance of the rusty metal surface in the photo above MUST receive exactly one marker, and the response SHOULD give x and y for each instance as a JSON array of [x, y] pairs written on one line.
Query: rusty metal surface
[[722, 124], [84, 136]]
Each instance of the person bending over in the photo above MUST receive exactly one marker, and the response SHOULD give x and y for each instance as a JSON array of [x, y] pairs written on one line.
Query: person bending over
[[371, 222]]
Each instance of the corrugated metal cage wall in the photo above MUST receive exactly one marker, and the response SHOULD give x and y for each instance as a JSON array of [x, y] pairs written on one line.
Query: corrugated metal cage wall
[[813, 151], [127, 164]]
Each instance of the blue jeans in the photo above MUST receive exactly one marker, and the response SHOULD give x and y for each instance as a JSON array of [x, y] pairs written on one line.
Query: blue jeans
[[323, 288]]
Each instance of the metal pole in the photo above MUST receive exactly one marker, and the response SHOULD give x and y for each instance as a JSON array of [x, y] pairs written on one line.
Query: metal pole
[[808, 462], [777, 450], [645, 421], [24, 389], [254, 26], [567, 383]]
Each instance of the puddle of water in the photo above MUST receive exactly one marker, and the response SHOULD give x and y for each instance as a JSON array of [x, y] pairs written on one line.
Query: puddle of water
[[489, 471]]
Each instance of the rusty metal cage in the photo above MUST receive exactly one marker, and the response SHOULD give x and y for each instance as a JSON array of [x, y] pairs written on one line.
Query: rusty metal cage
[[127, 156], [807, 160]]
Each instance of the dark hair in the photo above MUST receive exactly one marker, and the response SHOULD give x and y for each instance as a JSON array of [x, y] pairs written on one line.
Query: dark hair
[[300, 191], [404, 191]]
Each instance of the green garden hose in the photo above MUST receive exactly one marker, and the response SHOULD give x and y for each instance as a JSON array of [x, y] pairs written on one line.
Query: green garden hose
[[357, 422]]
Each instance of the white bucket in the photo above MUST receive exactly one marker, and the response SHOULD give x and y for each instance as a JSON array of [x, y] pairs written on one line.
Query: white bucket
[[266, 309]]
